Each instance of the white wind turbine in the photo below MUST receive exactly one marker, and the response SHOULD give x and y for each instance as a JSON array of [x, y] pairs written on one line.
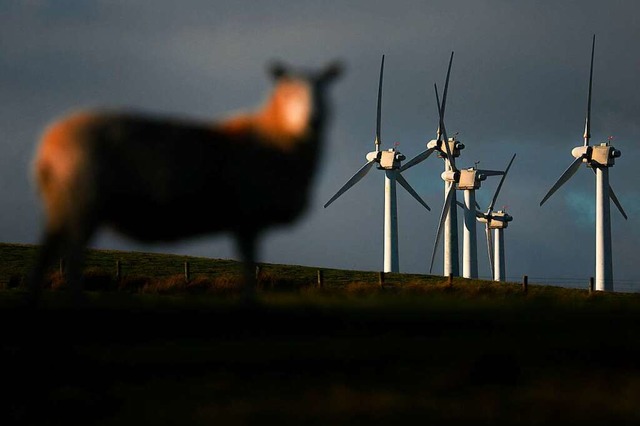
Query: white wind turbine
[[599, 158], [497, 222], [390, 162], [450, 225], [469, 181]]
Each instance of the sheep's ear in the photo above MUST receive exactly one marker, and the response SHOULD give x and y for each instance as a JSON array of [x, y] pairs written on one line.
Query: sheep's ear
[[277, 70], [332, 71]]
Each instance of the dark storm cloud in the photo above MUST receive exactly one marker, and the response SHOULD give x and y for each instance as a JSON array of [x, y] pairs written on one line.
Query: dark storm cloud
[[518, 85]]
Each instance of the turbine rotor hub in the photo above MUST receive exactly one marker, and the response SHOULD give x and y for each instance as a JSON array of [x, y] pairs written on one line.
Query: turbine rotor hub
[[374, 156], [583, 151], [450, 176], [454, 147]]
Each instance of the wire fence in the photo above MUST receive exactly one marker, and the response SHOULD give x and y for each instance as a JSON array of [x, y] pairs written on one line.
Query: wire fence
[[619, 285]]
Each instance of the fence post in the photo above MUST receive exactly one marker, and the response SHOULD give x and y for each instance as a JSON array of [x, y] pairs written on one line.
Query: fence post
[[187, 272], [61, 266], [591, 286], [118, 270], [450, 280], [381, 279], [320, 278], [525, 284], [257, 273]]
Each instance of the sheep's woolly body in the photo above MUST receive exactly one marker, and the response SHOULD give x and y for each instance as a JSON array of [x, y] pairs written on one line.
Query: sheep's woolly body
[[281, 123]]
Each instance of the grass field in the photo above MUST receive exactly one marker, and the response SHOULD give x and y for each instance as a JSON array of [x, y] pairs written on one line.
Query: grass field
[[416, 350]]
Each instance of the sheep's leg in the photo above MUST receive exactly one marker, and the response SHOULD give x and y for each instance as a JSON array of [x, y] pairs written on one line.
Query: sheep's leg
[[84, 225], [49, 249], [247, 248], [54, 245], [74, 256]]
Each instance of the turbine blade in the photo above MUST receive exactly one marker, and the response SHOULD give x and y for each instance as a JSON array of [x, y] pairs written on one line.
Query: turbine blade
[[417, 159], [587, 121], [615, 200], [443, 218], [402, 181], [571, 170], [504, 176], [491, 172], [446, 87], [379, 111], [352, 181], [452, 161], [490, 249]]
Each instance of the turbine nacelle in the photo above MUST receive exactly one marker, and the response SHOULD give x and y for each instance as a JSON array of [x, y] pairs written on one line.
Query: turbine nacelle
[[470, 179], [387, 160], [603, 155], [455, 146], [496, 220]]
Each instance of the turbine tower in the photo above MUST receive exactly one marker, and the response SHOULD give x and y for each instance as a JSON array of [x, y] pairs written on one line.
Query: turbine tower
[[497, 222], [390, 161], [599, 158], [450, 252]]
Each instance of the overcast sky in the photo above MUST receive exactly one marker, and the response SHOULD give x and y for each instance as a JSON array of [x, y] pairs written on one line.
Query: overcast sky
[[518, 85]]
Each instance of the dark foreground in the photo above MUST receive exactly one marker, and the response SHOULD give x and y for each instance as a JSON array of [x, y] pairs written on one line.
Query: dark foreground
[[306, 360]]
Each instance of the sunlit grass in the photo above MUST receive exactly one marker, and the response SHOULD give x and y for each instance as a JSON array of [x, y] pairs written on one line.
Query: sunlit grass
[[212, 279]]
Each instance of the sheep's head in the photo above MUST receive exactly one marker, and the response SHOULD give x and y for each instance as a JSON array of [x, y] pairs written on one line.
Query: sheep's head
[[300, 95]]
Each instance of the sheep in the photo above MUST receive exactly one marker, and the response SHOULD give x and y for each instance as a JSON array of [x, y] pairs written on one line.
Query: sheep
[[160, 179]]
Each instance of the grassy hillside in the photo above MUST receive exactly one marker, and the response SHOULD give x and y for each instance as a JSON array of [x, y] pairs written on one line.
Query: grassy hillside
[[16, 260], [416, 350]]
